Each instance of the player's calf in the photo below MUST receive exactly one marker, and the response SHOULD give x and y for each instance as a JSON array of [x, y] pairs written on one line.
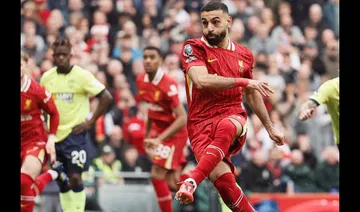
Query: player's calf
[[162, 190], [236, 199], [27, 193]]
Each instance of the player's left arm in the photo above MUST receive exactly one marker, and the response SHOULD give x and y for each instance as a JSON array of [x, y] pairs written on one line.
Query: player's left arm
[[257, 105], [95, 88], [179, 112], [105, 99]]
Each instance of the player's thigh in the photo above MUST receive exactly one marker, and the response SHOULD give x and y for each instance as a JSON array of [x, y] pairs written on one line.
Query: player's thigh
[[200, 142], [75, 149], [31, 165], [220, 169]]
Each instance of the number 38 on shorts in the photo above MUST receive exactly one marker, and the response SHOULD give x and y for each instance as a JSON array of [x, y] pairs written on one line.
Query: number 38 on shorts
[[163, 151]]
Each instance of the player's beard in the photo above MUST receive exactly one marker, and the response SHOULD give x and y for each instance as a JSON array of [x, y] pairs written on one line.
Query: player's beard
[[216, 40]]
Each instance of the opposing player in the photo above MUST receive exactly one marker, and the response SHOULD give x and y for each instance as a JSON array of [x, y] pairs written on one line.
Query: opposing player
[[328, 94], [36, 143], [166, 133], [218, 71], [71, 87]]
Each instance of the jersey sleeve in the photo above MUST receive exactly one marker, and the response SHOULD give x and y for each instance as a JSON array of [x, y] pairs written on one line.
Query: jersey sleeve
[[248, 73], [322, 95], [192, 55], [172, 94], [90, 84], [47, 103]]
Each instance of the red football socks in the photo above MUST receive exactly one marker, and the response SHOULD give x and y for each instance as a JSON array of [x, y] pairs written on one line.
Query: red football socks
[[231, 193], [215, 152], [163, 194], [27, 193], [31, 188], [41, 181]]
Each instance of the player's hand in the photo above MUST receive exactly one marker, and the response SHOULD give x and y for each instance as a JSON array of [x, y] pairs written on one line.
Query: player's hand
[[152, 142], [306, 114], [262, 87], [50, 148], [150, 151], [277, 136], [81, 127]]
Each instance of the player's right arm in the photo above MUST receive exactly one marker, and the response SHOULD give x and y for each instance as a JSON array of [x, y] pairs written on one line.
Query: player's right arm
[[194, 65], [319, 97]]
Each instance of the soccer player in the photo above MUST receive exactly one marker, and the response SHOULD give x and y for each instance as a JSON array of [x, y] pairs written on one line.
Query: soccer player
[[166, 133], [328, 94], [218, 71], [71, 87], [35, 140]]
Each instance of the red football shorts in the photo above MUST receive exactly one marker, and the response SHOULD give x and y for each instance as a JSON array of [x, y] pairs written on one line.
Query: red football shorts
[[206, 134], [170, 153], [36, 149]]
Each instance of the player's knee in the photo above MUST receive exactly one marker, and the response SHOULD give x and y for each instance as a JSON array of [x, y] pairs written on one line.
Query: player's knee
[[221, 169], [238, 126], [158, 172], [172, 179], [26, 181], [228, 125], [75, 179], [31, 166]]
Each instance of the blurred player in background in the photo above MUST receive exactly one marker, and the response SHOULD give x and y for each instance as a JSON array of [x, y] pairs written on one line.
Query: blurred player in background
[[166, 133], [218, 71], [71, 87], [328, 94], [36, 142]]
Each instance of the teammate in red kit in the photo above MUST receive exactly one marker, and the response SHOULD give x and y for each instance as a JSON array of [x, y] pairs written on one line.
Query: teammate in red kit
[[218, 71], [35, 141], [166, 133]]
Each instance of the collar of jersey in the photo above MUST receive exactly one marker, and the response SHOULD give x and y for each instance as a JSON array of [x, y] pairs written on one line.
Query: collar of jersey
[[230, 46], [71, 67], [158, 76]]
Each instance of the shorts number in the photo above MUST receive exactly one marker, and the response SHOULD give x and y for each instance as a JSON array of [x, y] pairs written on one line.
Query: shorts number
[[78, 157], [163, 151]]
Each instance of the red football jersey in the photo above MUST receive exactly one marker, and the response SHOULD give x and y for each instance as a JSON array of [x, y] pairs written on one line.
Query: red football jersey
[[208, 106], [34, 98], [162, 96]]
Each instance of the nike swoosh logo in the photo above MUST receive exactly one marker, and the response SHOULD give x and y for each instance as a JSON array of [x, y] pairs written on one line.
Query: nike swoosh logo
[[210, 153], [210, 60]]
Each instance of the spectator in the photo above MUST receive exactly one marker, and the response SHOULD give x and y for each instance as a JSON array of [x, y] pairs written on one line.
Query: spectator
[[327, 171], [303, 144], [261, 40], [108, 166], [256, 177], [300, 173], [331, 15]]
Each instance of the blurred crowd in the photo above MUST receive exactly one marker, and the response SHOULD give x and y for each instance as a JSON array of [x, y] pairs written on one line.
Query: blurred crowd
[[296, 47]]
